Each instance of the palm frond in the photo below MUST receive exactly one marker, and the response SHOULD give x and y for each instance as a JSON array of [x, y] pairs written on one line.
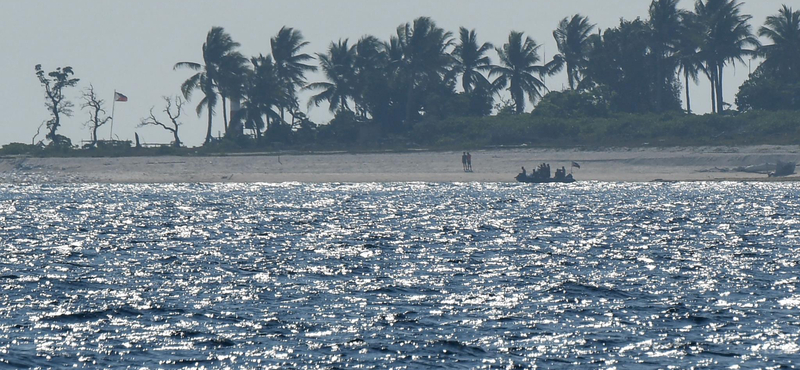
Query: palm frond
[[190, 65]]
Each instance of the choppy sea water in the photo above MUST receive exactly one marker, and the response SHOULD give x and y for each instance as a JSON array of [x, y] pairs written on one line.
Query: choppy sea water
[[415, 275]]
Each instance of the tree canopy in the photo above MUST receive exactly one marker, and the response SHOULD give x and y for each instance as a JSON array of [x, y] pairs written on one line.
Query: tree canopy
[[380, 88]]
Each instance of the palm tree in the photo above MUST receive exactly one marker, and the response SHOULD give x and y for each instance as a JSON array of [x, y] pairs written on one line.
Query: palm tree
[[727, 34], [783, 55], [470, 60], [370, 68], [218, 47], [572, 38], [339, 68], [233, 73], [687, 52], [518, 69], [424, 58], [289, 63], [665, 27], [264, 95]]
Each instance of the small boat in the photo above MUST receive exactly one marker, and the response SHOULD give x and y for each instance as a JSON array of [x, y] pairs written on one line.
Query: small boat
[[542, 175], [539, 180]]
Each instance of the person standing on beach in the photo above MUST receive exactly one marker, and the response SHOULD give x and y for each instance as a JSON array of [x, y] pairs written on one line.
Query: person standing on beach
[[464, 160], [469, 162]]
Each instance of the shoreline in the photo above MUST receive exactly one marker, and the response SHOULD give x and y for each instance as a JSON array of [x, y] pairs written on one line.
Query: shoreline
[[490, 165]]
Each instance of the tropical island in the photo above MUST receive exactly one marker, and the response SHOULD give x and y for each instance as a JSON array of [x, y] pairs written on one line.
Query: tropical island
[[431, 89]]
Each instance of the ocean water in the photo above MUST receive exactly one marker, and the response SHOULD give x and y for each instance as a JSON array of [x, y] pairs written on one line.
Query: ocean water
[[406, 275]]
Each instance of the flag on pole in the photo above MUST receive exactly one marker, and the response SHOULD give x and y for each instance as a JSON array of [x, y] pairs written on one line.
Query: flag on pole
[[575, 164], [120, 97]]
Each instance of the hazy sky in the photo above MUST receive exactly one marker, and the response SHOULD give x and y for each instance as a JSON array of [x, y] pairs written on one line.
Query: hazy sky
[[131, 46]]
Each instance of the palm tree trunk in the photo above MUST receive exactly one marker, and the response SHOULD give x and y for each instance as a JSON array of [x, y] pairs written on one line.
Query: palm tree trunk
[[224, 114], [720, 108], [570, 77], [208, 132], [517, 96], [713, 79], [688, 101]]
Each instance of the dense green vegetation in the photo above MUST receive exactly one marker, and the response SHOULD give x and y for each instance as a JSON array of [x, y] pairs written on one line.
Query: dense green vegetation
[[427, 87]]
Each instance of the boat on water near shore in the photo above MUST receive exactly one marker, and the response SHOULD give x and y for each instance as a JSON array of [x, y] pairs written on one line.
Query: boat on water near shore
[[542, 175]]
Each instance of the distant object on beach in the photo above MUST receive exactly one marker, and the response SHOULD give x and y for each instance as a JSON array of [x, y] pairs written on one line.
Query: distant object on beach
[[783, 169], [771, 169]]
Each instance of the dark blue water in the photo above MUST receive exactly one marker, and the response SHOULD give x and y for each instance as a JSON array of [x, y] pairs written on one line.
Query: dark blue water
[[588, 275]]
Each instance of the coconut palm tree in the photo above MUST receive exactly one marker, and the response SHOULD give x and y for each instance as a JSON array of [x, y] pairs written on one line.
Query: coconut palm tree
[[264, 95], [665, 27], [338, 64], [518, 69], [424, 58], [687, 53], [572, 38], [289, 63], [783, 55], [470, 60], [216, 49], [233, 71], [370, 69], [727, 34]]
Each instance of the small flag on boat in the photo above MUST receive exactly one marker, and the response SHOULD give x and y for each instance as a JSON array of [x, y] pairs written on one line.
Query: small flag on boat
[[576, 165], [119, 97]]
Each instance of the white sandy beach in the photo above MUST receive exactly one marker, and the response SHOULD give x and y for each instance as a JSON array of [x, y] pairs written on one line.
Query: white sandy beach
[[497, 165]]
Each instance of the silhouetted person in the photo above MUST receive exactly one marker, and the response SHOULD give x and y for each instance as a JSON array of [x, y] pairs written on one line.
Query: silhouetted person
[[469, 162], [464, 160]]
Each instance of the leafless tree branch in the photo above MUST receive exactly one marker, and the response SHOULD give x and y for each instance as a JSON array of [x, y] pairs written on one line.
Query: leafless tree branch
[[173, 109], [95, 107]]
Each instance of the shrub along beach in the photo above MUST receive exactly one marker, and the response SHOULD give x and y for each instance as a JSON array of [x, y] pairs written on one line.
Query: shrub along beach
[[432, 89]]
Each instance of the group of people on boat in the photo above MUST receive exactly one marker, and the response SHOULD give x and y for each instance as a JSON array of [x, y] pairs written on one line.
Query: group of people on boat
[[542, 174]]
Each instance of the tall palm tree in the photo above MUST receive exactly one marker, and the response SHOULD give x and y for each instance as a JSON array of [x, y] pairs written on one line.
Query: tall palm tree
[[470, 60], [216, 49], [518, 69], [338, 64], [233, 71], [370, 67], [727, 35], [572, 38], [687, 53], [424, 56], [783, 55], [264, 95], [665, 27], [289, 62]]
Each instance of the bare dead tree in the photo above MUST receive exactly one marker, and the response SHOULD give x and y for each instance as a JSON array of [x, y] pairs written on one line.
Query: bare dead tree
[[38, 131], [95, 106], [173, 109]]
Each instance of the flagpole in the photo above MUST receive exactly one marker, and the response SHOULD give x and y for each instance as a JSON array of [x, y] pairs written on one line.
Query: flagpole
[[113, 105]]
